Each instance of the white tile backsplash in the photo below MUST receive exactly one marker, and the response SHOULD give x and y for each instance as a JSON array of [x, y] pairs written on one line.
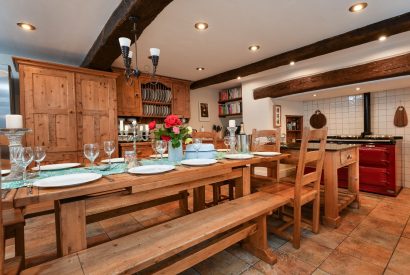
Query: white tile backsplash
[[345, 117]]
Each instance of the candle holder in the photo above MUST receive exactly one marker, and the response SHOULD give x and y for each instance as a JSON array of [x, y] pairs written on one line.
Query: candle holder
[[14, 136], [134, 141], [232, 140]]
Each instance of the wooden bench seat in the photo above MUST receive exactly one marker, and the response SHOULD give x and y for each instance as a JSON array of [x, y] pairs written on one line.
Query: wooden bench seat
[[148, 250]]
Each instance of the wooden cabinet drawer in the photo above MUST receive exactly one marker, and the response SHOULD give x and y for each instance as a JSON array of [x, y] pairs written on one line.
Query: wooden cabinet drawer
[[348, 156], [144, 150]]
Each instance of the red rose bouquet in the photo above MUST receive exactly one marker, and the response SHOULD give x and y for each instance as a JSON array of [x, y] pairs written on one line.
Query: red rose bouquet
[[172, 130]]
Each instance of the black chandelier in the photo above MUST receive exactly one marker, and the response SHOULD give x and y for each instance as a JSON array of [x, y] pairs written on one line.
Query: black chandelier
[[127, 55]]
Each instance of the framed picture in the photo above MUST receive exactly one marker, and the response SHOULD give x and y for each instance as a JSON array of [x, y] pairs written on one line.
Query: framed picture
[[203, 112], [277, 115]]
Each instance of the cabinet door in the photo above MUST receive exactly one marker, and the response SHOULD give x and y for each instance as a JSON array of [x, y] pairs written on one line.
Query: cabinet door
[[181, 101], [49, 109], [96, 111], [128, 97]]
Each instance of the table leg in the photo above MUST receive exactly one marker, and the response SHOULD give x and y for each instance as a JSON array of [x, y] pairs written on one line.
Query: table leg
[[331, 217], [70, 227], [243, 184], [353, 176], [257, 244], [199, 198]]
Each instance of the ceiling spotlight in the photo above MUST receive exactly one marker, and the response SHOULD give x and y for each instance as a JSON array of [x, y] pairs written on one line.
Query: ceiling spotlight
[[358, 7], [382, 38], [358, 89], [292, 63], [201, 26], [26, 26], [239, 78], [254, 48], [200, 68], [314, 94]]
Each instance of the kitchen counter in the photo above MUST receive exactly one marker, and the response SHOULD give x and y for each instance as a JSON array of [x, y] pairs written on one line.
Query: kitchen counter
[[315, 146]]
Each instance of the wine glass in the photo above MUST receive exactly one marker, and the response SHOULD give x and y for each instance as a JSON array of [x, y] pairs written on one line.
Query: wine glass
[[154, 147], [24, 158], [227, 141], [91, 152], [161, 147], [197, 145], [39, 156], [109, 148]]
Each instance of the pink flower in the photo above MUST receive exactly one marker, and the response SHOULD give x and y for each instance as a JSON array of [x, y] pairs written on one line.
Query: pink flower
[[175, 130]]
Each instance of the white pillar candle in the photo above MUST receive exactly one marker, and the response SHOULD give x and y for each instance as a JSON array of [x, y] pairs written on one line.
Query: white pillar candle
[[232, 123], [14, 121], [121, 125], [146, 127], [141, 128], [127, 128]]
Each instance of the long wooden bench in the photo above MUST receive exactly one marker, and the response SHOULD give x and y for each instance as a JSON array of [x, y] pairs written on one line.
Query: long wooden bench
[[176, 245]]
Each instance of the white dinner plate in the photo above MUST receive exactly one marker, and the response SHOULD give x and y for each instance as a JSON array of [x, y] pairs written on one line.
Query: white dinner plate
[[159, 155], [67, 180], [5, 171], [198, 162], [113, 160], [266, 154], [238, 156], [151, 169], [222, 150], [59, 166]]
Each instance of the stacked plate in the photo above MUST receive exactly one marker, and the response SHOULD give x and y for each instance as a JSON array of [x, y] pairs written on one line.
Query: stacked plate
[[157, 94], [156, 110]]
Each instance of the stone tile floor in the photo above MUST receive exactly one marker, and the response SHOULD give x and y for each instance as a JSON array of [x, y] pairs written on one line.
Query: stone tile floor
[[374, 239]]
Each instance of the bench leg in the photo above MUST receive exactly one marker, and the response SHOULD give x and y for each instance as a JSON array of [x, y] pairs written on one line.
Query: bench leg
[[70, 227], [257, 244]]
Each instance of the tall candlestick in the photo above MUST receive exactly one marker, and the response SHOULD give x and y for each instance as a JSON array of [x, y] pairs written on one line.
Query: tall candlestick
[[14, 121]]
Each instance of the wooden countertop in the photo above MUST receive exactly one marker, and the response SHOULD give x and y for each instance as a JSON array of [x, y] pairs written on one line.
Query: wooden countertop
[[312, 146]]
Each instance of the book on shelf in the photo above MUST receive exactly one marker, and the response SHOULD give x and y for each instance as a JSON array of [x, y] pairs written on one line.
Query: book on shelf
[[230, 94], [230, 108]]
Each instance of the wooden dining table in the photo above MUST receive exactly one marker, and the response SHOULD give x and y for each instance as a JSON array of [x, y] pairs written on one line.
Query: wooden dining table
[[70, 202]]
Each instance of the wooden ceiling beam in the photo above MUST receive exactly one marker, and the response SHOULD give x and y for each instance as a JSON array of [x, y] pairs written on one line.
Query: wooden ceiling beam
[[106, 47], [386, 68], [346, 40]]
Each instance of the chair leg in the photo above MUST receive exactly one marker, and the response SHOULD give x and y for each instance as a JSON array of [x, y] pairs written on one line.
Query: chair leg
[[316, 214], [231, 191], [297, 217], [216, 191]]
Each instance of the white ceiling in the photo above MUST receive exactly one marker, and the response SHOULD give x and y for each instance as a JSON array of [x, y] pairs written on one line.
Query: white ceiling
[[65, 31], [277, 26]]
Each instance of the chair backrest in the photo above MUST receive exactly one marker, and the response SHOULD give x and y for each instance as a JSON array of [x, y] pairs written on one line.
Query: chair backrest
[[266, 140], [312, 154], [207, 137]]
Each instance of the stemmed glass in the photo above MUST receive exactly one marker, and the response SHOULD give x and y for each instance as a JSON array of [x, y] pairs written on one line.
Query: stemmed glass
[[39, 156], [109, 148], [197, 145], [91, 152], [227, 141], [24, 157], [161, 147], [154, 147]]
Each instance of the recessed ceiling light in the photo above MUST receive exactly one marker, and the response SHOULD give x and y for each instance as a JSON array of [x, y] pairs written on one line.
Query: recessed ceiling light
[[200, 68], [292, 63], [314, 94], [201, 26], [358, 7], [254, 48], [358, 89], [382, 38], [238, 78], [26, 26]]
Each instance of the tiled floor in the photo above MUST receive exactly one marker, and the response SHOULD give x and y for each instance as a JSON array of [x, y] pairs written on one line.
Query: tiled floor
[[374, 239]]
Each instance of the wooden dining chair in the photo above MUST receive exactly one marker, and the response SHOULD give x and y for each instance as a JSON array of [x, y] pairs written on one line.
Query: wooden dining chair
[[212, 137], [306, 187], [265, 141]]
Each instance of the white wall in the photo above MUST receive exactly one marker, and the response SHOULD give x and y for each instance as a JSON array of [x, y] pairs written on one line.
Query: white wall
[[204, 95], [345, 116]]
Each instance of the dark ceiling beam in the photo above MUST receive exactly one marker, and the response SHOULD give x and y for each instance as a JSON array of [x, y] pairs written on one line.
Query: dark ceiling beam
[[346, 40], [386, 68], [106, 47]]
